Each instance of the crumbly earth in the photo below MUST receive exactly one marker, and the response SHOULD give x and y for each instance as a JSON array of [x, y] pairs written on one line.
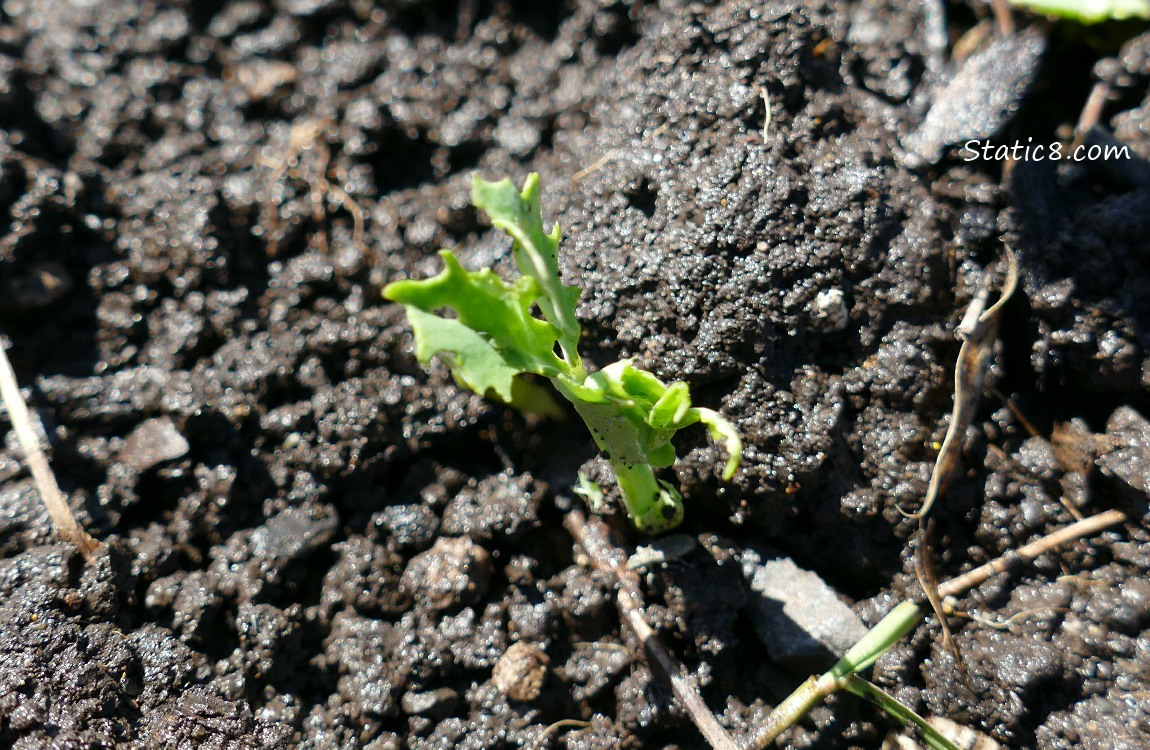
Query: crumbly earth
[[315, 542]]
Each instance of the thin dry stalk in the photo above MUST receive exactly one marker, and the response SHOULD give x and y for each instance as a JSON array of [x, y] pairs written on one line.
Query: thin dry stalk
[[592, 535], [66, 524], [1091, 113], [977, 330], [1003, 20], [1028, 552]]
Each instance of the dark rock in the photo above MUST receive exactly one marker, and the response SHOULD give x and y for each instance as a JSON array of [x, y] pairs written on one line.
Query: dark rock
[[982, 95]]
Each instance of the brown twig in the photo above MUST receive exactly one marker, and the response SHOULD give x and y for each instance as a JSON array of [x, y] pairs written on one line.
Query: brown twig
[[1091, 113], [541, 739], [1027, 552], [977, 330], [22, 423], [611, 154], [592, 535], [1003, 20], [1018, 413]]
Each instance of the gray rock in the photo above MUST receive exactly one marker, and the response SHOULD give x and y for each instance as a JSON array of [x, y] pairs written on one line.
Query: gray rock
[[153, 442], [436, 704], [797, 616], [980, 97], [1129, 459]]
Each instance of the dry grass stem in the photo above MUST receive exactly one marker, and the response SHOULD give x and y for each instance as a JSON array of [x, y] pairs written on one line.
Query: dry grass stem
[[592, 535], [53, 499]]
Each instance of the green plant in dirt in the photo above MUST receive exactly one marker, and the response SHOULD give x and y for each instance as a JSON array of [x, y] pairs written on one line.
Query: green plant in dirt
[[1089, 11], [494, 339], [844, 675]]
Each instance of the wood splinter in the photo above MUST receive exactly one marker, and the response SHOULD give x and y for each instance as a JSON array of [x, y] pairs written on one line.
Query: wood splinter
[[26, 434]]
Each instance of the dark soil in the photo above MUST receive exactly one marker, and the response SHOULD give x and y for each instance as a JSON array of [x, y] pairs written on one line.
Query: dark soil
[[317, 543]]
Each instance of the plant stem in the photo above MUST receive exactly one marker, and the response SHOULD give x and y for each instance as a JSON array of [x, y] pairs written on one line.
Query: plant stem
[[889, 630], [890, 704], [796, 705], [66, 525], [592, 535]]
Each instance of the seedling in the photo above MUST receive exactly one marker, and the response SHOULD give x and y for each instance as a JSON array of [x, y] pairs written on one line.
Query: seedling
[[1089, 11], [844, 675], [494, 339]]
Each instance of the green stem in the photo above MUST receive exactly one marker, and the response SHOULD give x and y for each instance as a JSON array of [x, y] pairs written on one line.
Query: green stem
[[654, 506], [887, 702], [898, 622], [796, 705], [878, 639]]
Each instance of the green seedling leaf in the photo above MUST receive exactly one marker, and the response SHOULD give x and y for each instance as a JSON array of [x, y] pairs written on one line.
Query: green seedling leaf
[[475, 363], [723, 431], [494, 340], [535, 251], [1089, 11], [672, 406], [893, 706], [494, 336], [535, 398], [591, 493]]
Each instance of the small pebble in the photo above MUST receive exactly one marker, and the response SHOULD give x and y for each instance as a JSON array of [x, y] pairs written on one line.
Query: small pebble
[[521, 671], [453, 573], [153, 442]]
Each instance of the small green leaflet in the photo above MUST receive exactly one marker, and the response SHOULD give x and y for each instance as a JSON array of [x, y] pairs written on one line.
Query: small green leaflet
[[1089, 11], [637, 403], [536, 252], [493, 339]]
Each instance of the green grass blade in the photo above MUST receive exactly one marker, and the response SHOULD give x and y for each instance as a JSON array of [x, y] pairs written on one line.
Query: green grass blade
[[878, 639], [905, 714]]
